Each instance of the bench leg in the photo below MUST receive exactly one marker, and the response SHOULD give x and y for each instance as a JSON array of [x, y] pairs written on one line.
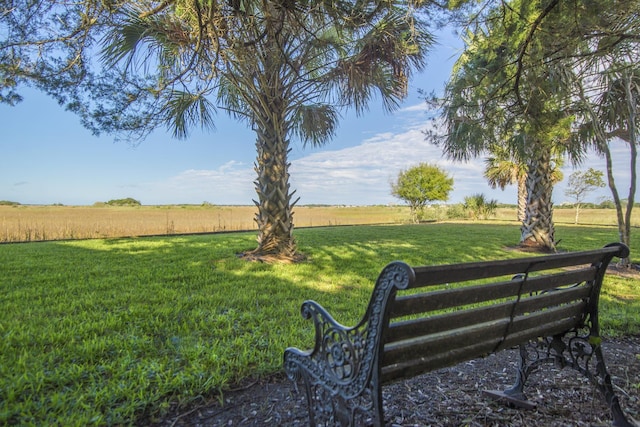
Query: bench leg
[[603, 380], [515, 394], [329, 409], [583, 354]]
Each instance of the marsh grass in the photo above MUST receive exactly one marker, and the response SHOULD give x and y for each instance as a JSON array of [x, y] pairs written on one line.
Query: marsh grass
[[113, 331], [40, 223]]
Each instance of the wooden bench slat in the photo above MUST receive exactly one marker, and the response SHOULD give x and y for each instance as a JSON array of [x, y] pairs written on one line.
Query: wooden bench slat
[[398, 331], [393, 372], [411, 368], [434, 324], [441, 274], [407, 305], [428, 345], [550, 299], [557, 327], [541, 319]]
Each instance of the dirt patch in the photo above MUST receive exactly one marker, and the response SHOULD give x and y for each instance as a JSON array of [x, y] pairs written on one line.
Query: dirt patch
[[632, 272], [446, 397]]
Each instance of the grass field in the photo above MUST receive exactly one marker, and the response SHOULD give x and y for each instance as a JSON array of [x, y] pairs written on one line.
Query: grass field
[[38, 223], [113, 331]]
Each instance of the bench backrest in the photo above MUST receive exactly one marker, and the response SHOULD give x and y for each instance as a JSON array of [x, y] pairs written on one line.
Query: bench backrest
[[438, 316]]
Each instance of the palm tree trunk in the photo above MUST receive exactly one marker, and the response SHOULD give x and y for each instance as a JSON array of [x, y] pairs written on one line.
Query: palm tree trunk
[[266, 75], [537, 229], [275, 209], [522, 197]]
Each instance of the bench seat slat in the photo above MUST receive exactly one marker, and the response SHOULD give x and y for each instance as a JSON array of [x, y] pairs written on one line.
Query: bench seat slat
[[393, 372], [407, 305], [398, 331], [441, 274], [428, 345], [478, 348], [557, 327]]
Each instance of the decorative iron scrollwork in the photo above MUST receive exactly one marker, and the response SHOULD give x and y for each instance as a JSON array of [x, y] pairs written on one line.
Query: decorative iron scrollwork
[[337, 372], [577, 349]]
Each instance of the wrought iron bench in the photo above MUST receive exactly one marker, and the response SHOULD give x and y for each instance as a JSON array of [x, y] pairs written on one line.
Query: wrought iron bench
[[424, 318]]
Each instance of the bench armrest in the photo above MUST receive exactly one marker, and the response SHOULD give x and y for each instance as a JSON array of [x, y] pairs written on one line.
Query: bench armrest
[[335, 357], [344, 357]]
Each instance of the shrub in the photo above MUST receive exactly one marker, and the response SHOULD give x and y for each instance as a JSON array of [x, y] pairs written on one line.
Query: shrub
[[432, 213], [607, 204], [478, 207], [456, 211]]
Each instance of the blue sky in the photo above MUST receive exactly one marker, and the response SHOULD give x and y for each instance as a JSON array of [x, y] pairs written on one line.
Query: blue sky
[[48, 157]]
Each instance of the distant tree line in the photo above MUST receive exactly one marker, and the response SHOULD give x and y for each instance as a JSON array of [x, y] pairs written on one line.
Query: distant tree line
[[119, 202]]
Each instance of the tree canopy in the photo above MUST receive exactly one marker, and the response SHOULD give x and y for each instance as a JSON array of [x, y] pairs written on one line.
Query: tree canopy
[[514, 86], [287, 69]]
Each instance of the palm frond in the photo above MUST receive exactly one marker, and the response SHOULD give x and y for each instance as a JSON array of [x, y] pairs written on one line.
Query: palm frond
[[149, 38], [382, 60], [231, 98], [184, 110], [122, 42], [315, 124]]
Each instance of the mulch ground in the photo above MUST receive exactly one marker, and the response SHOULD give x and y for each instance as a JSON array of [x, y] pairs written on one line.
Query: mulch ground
[[447, 397]]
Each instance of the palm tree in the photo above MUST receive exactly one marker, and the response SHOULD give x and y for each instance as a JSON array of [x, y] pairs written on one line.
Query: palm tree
[[286, 68], [502, 169], [502, 93]]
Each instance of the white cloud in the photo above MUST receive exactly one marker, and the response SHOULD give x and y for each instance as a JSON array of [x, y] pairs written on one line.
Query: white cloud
[[362, 174], [231, 183], [421, 107], [358, 175]]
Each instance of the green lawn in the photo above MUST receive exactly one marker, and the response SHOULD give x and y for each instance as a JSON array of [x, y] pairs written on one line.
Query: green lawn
[[108, 331]]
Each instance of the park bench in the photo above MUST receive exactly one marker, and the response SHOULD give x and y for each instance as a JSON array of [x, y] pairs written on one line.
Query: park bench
[[423, 318]]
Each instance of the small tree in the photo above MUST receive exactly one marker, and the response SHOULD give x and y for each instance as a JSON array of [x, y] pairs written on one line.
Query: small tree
[[420, 185], [582, 183]]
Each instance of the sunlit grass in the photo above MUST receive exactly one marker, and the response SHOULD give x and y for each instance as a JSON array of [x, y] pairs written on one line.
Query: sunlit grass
[[112, 331]]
